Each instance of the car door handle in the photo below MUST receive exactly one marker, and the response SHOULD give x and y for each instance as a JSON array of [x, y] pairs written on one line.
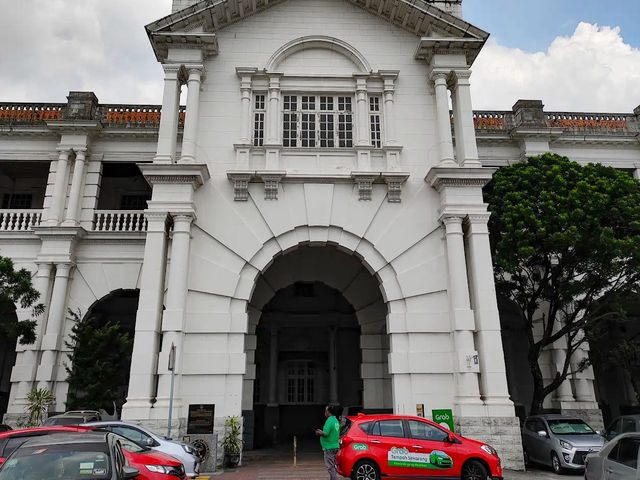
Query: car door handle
[[375, 441], [419, 447]]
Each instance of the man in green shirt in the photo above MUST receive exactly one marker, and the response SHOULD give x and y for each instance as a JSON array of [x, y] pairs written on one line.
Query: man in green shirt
[[330, 441]]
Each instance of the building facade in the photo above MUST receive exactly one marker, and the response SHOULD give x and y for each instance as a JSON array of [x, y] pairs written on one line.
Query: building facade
[[309, 228]]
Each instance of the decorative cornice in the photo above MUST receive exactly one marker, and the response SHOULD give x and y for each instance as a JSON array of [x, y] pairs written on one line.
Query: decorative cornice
[[162, 42], [428, 47], [271, 179], [441, 177], [178, 173]]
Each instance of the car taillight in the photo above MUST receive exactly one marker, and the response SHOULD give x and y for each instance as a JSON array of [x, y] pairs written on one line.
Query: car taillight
[[345, 441], [2, 459]]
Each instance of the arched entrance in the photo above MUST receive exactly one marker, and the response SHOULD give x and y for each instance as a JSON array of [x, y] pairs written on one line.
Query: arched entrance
[[119, 308], [317, 336]]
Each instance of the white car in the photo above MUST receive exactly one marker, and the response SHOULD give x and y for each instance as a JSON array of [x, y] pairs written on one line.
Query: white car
[[146, 438], [618, 459]]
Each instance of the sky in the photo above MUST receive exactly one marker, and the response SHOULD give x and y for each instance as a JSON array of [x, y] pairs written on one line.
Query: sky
[[574, 55]]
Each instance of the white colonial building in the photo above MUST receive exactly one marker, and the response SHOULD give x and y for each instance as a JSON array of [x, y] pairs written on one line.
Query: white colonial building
[[315, 229]]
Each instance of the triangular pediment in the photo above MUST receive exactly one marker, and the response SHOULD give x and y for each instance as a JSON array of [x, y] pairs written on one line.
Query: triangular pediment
[[200, 22]]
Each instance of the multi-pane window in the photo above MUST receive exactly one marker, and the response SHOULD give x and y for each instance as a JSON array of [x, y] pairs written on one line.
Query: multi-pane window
[[300, 382], [16, 200], [259, 112], [374, 122], [134, 202], [317, 121]]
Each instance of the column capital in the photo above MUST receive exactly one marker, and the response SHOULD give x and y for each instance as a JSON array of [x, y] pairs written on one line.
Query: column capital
[[157, 222], [81, 153], [182, 220], [63, 269], [458, 78], [453, 223], [172, 70], [44, 268], [478, 218], [439, 76], [274, 80], [194, 69], [64, 150]]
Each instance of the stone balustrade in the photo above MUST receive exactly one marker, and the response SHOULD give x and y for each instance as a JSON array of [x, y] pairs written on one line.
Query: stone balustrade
[[597, 123], [30, 113], [119, 221], [19, 220]]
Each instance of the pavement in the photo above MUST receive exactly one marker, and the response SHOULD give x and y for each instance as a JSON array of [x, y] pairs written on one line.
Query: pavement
[[310, 467]]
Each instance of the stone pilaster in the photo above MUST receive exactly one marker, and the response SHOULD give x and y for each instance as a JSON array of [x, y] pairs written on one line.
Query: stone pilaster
[[190, 132]]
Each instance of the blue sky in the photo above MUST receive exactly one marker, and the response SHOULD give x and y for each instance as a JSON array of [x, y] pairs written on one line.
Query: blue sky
[[532, 25]]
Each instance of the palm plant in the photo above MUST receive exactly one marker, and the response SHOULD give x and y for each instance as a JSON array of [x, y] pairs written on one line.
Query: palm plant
[[38, 402]]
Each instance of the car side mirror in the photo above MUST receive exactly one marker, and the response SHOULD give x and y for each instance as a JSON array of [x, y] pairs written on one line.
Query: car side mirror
[[542, 433], [600, 432], [130, 472], [149, 442]]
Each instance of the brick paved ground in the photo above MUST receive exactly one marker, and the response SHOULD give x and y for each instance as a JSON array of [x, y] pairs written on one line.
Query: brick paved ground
[[276, 466]]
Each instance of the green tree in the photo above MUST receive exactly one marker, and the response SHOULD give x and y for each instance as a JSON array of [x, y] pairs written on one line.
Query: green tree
[[16, 289], [565, 241], [99, 360], [38, 402]]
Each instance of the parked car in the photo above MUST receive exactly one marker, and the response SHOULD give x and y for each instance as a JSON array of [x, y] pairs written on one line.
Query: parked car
[[623, 424], [5, 428], [558, 441], [376, 446], [144, 437], [617, 460], [73, 417], [90, 455]]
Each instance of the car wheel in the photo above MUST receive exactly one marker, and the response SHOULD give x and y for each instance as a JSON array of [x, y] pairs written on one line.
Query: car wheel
[[365, 470], [474, 470], [555, 463]]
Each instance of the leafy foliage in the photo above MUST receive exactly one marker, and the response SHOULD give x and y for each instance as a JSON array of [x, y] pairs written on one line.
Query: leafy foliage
[[99, 361], [38, 402], [232, 442], [16, 289], [565, 240]]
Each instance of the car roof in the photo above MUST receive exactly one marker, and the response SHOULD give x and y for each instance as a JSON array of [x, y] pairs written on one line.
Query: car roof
[[68, 438], [385, 416], [553, 416], [635, 416], [42, 430]]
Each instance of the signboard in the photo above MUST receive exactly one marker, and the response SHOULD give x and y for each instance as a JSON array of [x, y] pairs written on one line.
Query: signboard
[[420, 410], [200, 419], [443, 418]]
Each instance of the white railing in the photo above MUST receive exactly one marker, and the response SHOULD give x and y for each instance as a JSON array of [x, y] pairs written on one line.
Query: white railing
[[119, 221], [19, 220]]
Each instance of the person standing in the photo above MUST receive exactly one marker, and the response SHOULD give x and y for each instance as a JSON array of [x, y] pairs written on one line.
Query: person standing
[[330, 441]]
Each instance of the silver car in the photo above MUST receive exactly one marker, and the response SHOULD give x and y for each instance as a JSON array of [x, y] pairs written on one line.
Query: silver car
[[618, 460], [559, 441], [140, 435]]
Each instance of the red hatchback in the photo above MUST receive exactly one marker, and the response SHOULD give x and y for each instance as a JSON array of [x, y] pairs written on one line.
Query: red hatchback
[[375, 446]]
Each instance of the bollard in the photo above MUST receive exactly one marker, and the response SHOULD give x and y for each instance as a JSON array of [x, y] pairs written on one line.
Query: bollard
[[295, 451]]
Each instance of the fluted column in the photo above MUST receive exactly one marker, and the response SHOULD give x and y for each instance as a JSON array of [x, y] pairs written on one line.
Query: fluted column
[[463, 119], [190, 132], [168, 130], [389, 112], [462, 321], [273, 110], [245, 118], [362, 111], [144, 358], [176, 301], [71, 219], [493, 376], [59, 187], [443, 119], [52, 340]]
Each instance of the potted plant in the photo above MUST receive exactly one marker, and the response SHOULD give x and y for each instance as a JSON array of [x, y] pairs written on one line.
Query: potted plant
[[232, 442]]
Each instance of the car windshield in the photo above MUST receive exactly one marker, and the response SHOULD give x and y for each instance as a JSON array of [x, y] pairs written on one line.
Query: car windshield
[[131, 446], [64, 421], [89, 462], [569, 427]]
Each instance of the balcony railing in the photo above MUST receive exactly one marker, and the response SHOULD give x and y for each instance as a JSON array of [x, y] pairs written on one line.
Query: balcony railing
[[596, 123], [19, 220], [119, 221], [30, 113]]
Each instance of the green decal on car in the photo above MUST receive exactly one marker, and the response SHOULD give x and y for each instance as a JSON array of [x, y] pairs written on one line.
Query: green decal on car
[[402, 457], [360, 446]]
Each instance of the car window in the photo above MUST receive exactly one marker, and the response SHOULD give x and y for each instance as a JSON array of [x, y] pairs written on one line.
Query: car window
[[570, 427], [540, 426], [628, 425], [426, 431], [131, 433], [367, 427], [530, 425], [626, 452], [614, 429], [391, 428]]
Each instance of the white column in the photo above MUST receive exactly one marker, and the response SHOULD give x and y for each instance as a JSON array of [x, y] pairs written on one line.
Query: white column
[[463, 120], [273, 366], [443, 118], [59, 188], [190, 132], [245, 118], [389, 114], [333, 367], [362, 112], [144, 359], [168, 130], [24, 373], [462, 321], [493, 376], [52, 340], [582, 380], [71, 219], [273, 111], [176, 301], [558, 356]]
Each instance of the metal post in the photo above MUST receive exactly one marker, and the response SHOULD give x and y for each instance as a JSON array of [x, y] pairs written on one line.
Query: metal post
[[172, 366]]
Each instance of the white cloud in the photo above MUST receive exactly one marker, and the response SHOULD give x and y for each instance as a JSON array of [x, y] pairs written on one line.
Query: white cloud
[[593, 70]]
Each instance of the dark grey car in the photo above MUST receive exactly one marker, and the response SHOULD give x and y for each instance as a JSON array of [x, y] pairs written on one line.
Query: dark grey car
[[623, 424], [559, 441]]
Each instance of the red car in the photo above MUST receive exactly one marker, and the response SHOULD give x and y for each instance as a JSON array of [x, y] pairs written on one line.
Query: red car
[[151, 464], [375, 446]]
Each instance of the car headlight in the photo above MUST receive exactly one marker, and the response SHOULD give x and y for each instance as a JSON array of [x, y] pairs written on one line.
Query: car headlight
[[158, 468], [189, 449], [565, 445], [489, 449]]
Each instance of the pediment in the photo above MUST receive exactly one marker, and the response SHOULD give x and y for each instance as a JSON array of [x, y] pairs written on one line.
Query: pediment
[[198, 23]]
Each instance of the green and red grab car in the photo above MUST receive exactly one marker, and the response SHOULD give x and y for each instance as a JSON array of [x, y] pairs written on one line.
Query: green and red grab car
[[397, 446]]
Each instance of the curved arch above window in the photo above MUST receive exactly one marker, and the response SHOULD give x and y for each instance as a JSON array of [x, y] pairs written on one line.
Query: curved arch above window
[[319, 42]]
